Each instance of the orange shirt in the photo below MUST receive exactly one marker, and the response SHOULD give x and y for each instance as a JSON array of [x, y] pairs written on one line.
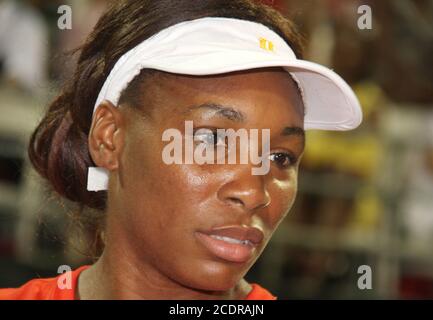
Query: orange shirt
[[47, 289]]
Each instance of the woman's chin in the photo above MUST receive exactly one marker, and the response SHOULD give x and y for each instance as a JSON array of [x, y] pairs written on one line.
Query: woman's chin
[[218, 276]]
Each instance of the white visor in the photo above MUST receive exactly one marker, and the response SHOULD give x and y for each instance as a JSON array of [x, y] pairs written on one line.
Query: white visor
[[213, 45]]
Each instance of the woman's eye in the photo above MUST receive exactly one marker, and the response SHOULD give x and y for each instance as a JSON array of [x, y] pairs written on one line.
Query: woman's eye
[[210, 137], [282, 159]]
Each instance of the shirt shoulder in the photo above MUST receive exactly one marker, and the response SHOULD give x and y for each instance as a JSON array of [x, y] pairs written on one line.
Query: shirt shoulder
[[44, 289], [259, 293]]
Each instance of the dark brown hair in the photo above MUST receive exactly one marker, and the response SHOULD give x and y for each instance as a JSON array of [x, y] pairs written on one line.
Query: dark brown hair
[[58, 147]]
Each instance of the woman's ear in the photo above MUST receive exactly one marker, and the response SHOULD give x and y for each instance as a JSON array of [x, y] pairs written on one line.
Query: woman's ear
[[106, 136]]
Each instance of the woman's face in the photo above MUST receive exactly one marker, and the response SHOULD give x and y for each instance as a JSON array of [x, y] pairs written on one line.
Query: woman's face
[[156, 211]]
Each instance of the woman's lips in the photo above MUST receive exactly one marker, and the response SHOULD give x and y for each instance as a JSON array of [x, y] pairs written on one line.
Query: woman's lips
[[235, 244]]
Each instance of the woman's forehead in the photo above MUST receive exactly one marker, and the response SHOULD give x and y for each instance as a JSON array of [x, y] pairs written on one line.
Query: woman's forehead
[[252, 78], [273, 87]]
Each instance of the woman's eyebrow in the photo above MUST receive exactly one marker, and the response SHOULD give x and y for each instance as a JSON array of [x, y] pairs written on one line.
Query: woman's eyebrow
[[220, 110], [238, 116], [294, 131]]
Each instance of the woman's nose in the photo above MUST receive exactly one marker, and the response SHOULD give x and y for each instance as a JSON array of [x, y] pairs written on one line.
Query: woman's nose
[[247, 191]]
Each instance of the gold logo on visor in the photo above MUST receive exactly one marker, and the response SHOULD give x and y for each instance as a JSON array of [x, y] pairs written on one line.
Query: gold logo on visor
[[266, 44]]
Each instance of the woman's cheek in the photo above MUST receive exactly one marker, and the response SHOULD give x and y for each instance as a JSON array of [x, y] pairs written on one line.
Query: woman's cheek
[[194, 183], [284, 196]]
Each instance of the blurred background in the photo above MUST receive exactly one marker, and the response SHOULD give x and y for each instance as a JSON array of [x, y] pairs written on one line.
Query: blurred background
[[365, 197]]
